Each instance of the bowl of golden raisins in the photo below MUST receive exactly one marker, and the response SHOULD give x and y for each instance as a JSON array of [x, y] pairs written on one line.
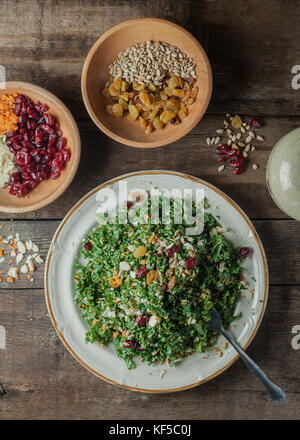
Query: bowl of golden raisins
[[146, 82]]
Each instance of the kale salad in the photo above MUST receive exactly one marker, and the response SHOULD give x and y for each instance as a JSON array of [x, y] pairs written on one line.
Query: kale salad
[[148, 289]]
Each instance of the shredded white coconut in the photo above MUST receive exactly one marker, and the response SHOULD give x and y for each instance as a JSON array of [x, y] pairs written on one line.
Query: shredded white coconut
[[7, 164]]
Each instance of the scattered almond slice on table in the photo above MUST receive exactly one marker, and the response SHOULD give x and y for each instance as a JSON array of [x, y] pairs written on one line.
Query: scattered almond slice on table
[[235, 142], [25, 254]]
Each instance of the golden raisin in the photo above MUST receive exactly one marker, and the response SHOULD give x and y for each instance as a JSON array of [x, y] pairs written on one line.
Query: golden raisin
[[117, 110], [157, 123], [144, 98], [194, 92], [123, 103], [236, 122], [105, 93], [138, 86], [140, 252], [143, 123], [114, 90], [118, 82], [175, 81], [108, 109], [133, 111], [166, 116], [124, 86], [172, 104], [168, 91], [183, 112], [179, 92], [149, 128]]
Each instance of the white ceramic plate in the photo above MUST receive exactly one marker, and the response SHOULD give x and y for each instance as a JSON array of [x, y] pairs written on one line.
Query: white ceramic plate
[[103, 362]]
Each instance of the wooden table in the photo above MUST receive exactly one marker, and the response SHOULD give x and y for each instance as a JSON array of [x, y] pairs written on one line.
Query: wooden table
[[252, 46]]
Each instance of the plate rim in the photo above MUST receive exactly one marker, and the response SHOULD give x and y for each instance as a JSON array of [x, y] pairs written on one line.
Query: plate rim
[[188, 177]]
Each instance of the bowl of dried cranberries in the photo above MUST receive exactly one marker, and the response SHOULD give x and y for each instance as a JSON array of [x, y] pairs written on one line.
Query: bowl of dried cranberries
[[39, 147]]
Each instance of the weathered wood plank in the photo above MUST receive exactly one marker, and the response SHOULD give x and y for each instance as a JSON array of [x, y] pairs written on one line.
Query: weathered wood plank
[[281, 239], [252, 47], [35, 364], [103, 159]]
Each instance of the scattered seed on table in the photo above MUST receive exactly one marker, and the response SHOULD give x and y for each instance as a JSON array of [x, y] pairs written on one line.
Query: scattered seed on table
[[255, 166]]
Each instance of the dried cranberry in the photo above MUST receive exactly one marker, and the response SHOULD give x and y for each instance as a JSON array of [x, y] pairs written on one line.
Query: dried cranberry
[[169, 252], [47, 129], [254, 122], [244, 252], [18, 189], [22, 158], [129, 204], [61, 143], [67, 154], [142, 319], [222, 150], [191, 262], [222, 159], [49, 119], [88, 246], [131, 344], [41, 108], [17, 109], [141, 271]]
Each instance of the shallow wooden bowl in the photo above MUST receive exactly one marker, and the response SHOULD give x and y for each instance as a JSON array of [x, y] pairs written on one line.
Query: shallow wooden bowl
[[107, 48], [48, 190]]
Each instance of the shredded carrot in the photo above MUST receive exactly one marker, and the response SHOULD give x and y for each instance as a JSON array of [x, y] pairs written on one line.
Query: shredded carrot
[[8, 120]]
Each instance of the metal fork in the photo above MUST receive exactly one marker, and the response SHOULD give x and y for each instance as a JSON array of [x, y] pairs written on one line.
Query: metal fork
[[274, 391]]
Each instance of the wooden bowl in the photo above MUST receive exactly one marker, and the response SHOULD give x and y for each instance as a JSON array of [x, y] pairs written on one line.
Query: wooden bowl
[[107, 48], [48, 190]]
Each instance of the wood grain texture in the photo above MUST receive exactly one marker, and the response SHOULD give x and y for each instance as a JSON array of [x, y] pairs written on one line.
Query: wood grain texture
[[103, 159], [35, 364], [252, 46]]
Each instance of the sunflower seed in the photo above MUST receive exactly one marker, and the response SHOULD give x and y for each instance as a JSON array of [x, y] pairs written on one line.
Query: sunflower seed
[[221, 168], [260, 138], [255, 166], [208, 141], [249, 139], [220, 130]]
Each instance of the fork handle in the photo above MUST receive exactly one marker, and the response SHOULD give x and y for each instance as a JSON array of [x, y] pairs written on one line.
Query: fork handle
[[274, 391]]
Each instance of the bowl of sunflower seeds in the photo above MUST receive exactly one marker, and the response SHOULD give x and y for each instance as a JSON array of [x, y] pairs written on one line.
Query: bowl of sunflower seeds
[[146, 82]]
